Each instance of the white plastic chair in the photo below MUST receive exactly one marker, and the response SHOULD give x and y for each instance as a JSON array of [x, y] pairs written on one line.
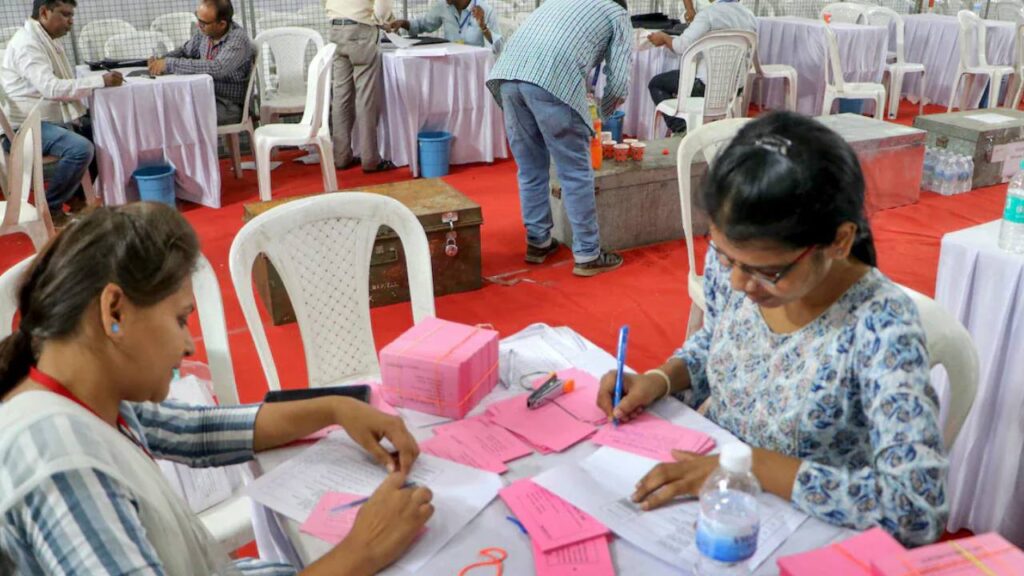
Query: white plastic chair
[[896, 71], [706, 140], [178, 26], [1006, 11], [836, 87], [902, 7], [93, 39], [726, 56], [1016, 89], [759, 72], [313, 129], [270, 20], [7, 33], [950, 345], [283, 92], [845, 12], [321, 247], [974, 62], [139, 44], [810, 9], [230, 522], [24, 181], [947, 7], [244, 125]]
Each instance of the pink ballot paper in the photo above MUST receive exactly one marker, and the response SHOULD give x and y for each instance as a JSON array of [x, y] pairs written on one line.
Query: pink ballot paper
[[546, 428], [587, 558], [550, 521], [851, 557], [485, 436], [332, 527], [452, 447], [984, 555], [650, 436], [582, 401]]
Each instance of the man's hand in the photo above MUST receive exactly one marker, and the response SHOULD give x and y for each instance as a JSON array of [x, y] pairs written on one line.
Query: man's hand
[[113, 78], [157, 66], [478, 13], [690, 14], [398, 24], [659, 39]]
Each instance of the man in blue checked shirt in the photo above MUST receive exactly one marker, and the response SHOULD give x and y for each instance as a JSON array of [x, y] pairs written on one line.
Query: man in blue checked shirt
[[540, 81], [471, 22]]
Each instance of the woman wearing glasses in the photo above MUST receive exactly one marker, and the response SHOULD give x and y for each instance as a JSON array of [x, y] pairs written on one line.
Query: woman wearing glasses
[[808, 352]]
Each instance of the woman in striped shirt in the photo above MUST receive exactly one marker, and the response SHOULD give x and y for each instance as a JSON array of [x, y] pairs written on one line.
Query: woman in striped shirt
[[104, 322]]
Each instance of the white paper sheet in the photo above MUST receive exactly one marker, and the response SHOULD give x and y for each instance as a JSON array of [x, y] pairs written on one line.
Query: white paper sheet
[[401, 42], [418, 52], [336, 464], [600, 485], [990, 118]]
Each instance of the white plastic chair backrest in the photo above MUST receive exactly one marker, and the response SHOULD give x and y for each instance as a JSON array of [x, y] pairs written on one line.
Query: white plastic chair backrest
[[972, 39], [726, 57], [708, 140], [845, 12], [834, 64], [10, 283], [950, 345], [321, 248], [889, 18], [178, 26], [93, 39], [271, 20], [5, 124], [318, 94], [25, 170], [285, 48], [209, 307], [1005, 11], [137, 44]]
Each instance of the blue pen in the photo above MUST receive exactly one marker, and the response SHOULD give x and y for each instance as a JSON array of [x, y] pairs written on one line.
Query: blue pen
[[361, 501], [518, 524], [621, 360]]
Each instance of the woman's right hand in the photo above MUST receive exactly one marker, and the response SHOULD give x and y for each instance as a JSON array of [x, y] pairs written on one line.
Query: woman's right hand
[[638, 392], [389, 522]]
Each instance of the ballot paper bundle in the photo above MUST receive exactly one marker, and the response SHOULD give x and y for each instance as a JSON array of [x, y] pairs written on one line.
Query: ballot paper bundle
[[983, 555], [851, 557]]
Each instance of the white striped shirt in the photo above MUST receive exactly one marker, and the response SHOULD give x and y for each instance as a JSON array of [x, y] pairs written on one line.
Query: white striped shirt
[[561, 43], [82, 521]]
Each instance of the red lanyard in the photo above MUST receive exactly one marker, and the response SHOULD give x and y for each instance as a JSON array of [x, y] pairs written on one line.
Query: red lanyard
[[51, 384]]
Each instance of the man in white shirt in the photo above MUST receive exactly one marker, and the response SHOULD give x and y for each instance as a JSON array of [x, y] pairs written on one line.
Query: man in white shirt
[[472, 22], [720, 15], [357, 79], [35, 70]]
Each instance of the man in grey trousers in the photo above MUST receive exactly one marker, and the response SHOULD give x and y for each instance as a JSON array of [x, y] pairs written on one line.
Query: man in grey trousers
[[357, 80]]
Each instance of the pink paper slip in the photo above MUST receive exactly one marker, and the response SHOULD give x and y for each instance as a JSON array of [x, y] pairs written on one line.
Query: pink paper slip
[[982, 555], [451, 447], [587, 558], [582, 401], [851, 557], [331, 527], [485, 436], [550, 521], [653, 437], [547, 427]]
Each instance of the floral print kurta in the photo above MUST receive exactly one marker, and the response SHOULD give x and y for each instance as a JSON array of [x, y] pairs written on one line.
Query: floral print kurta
[[848, 394]]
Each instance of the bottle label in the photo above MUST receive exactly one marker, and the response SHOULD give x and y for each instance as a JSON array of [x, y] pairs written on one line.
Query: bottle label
[[725, 545], [1014, 211]]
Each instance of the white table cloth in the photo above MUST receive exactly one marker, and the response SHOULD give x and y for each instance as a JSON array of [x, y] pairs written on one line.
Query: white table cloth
[[983, 287], [801, 43], [170, 119], [491, 528], [647, 63], [934, 40], [440, 88]]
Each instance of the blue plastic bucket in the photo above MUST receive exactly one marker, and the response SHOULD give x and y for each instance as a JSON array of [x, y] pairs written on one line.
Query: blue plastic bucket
[[156, 183], [435, 149], [613, 124]]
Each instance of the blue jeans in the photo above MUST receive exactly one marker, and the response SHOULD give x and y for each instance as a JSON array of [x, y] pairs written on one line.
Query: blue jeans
[[541, 127], [74, 152]]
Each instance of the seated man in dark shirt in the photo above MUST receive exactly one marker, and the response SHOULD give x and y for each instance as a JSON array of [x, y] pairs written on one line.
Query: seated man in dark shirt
[[221, 49]]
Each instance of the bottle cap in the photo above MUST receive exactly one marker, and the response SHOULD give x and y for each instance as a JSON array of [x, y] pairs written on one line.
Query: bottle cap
[[735, 457]]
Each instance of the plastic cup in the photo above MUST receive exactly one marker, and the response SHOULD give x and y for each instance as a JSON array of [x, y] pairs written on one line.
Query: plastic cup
[[629, 141], [606, 136], [637, 151], [621, 152], [608, 149]]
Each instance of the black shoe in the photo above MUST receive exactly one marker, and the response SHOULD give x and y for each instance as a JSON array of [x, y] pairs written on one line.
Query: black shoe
[[384, 166], [535, 255], [605, 262], [356, 161]]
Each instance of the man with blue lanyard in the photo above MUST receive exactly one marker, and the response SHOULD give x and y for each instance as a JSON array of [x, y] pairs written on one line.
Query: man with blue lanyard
[[471, 22], [720, 15]]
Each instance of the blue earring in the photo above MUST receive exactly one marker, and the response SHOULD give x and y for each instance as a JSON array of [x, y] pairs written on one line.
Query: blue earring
[[115, 328]]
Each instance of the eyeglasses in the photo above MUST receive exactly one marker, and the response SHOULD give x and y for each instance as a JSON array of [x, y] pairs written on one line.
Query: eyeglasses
[[762, 276]]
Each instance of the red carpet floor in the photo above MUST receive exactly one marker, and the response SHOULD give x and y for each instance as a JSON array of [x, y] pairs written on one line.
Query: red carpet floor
[[648, 292]]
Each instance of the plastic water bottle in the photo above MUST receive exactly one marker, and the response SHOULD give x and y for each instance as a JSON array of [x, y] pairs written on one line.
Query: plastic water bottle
[[966, 174], [1011, 232], [728, 524], [929, 169], [970, 173], [942, 174]]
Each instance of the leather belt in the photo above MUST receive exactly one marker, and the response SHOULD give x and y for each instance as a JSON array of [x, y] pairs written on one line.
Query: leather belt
[[344, 22]]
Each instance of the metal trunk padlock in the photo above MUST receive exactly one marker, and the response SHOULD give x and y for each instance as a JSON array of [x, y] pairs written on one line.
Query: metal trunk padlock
[[450, 247]]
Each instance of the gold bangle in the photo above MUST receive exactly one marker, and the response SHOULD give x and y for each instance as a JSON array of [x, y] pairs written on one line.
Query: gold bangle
[[668, 381]]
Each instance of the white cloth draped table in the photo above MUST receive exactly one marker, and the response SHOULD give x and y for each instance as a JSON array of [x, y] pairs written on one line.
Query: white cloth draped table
[[426, 91], [801, 43], [934, 40], [170, 119], [983, 287]]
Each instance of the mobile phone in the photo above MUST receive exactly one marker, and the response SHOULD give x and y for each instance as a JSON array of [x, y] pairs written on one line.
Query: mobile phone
[[360, 392]]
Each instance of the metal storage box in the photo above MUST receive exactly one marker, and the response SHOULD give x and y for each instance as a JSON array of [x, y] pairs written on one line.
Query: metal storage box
[[993, 137]]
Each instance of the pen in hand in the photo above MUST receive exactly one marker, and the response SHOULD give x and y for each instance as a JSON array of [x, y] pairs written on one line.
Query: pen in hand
[[621, 363]]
